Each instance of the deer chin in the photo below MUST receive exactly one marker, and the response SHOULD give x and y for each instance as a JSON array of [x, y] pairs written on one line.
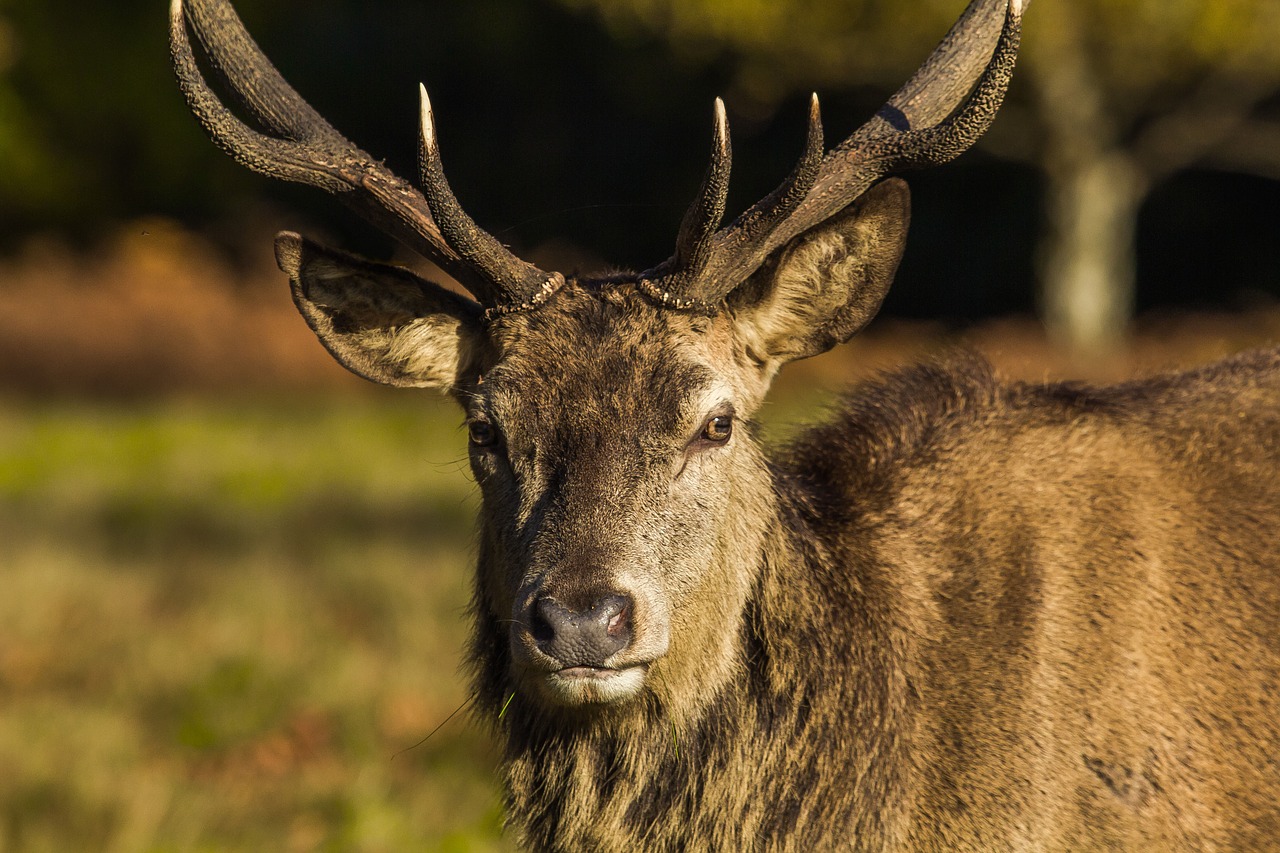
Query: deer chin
[[578, 686]]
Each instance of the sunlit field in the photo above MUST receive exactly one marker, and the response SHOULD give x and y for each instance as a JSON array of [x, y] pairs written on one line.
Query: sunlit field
[[228, 628], [230, 615], [235, 579]]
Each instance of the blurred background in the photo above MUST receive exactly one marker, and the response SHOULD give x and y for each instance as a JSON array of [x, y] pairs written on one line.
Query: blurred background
[[235, 578]]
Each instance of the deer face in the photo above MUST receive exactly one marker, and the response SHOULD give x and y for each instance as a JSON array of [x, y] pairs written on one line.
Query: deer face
[[624, 498], [624, 501], [611, 445]]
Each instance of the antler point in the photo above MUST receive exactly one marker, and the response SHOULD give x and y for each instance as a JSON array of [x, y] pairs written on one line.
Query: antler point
[[722, 123], [427, 125]]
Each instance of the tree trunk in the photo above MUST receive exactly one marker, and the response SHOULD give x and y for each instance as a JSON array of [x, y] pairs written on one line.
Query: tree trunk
[[1087, 259], [1086, 255]]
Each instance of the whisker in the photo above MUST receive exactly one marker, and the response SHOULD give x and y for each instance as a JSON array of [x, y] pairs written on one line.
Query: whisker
[[470, 699]]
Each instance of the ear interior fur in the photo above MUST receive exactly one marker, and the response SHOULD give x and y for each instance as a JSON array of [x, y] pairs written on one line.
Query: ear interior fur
[[828, 282], [382, 322]]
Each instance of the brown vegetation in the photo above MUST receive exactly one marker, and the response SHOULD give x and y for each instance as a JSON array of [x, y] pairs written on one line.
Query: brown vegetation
[[156, 309], [153, 309]]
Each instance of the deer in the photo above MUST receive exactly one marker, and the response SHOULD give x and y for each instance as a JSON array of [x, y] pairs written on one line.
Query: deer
[[961, 614]]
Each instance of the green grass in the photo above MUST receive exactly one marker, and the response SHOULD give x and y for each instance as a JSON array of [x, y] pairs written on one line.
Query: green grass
[[221, 624], [218, 625]]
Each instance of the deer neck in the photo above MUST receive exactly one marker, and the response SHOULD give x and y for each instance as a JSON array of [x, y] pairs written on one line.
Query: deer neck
[[779, 728]]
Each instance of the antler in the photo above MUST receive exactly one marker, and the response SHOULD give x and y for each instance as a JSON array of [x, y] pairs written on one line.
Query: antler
[[306, 149], [927, 122]]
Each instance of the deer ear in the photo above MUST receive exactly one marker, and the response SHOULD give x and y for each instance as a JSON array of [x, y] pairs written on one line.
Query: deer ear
[[382, 322], [827, 283]]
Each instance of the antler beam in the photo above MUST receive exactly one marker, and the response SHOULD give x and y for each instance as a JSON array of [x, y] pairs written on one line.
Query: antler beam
[[306, 149], [940, 112]]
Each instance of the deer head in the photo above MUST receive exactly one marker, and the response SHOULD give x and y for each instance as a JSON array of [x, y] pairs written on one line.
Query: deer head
[[626, 504]]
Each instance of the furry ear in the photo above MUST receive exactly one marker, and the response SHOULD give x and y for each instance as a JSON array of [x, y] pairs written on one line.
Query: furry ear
[[828, 282], [382, 322]]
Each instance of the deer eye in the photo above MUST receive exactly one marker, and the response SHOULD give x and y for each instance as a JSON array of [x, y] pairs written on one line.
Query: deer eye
[[718, 429], [482, 433]]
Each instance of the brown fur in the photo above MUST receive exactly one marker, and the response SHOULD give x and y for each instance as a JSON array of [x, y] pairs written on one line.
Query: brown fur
[[986, 617], [961, 615]]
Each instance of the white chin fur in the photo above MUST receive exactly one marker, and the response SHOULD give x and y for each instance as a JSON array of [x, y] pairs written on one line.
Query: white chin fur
[[597, 688]]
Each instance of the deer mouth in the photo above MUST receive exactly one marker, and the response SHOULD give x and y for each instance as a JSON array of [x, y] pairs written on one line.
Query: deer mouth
[[587, 672], [593, 685]]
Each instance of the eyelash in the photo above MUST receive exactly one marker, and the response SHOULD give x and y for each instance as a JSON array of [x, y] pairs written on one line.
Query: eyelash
[[482, 433]]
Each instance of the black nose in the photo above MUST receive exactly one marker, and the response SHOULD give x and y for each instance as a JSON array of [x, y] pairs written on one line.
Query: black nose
[[582, 638]]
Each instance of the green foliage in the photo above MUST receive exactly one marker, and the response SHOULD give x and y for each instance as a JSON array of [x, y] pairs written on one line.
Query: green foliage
[[778, 45], [1149, 44], [1144, 47], [1147, 55], [85, 126]]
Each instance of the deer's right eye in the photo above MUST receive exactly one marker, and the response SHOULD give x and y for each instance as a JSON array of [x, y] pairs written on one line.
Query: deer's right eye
[[718, 429], [482, 433]]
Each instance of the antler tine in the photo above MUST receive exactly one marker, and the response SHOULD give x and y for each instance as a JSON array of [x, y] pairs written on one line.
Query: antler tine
[[277, 158], [669, 279], [522, 283], [312, 152], [325, 160], [707, 211], [940, 112], [947, 75], [908, 148], [761, 219], [765, 215]]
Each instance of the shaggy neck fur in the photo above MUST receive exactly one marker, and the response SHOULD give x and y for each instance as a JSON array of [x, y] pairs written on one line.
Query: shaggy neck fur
[[822, 693], [640, 779], [982, 617]]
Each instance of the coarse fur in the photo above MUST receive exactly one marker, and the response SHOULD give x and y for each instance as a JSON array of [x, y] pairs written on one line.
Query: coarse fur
[[961, 615], [986, 616]]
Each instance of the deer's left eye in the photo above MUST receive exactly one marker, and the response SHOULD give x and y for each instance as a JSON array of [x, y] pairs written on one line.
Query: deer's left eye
[[718, 429], [482, 433]]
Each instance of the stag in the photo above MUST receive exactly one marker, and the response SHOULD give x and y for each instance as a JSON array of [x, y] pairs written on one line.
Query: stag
[[963, 614]]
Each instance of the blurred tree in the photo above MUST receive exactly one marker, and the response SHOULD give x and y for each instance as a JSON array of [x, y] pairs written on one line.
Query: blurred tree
[[87, 130], [1122, 94], [1127, 94], [537, 108]]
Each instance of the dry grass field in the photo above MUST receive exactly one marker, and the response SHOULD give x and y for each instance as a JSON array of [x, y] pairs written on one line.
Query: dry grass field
[[233, 584], [225, 627]]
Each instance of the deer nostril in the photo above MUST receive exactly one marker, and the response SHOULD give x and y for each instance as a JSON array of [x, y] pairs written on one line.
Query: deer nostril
[[615, 611], [582, 637], [619, 622], [540, 627]]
